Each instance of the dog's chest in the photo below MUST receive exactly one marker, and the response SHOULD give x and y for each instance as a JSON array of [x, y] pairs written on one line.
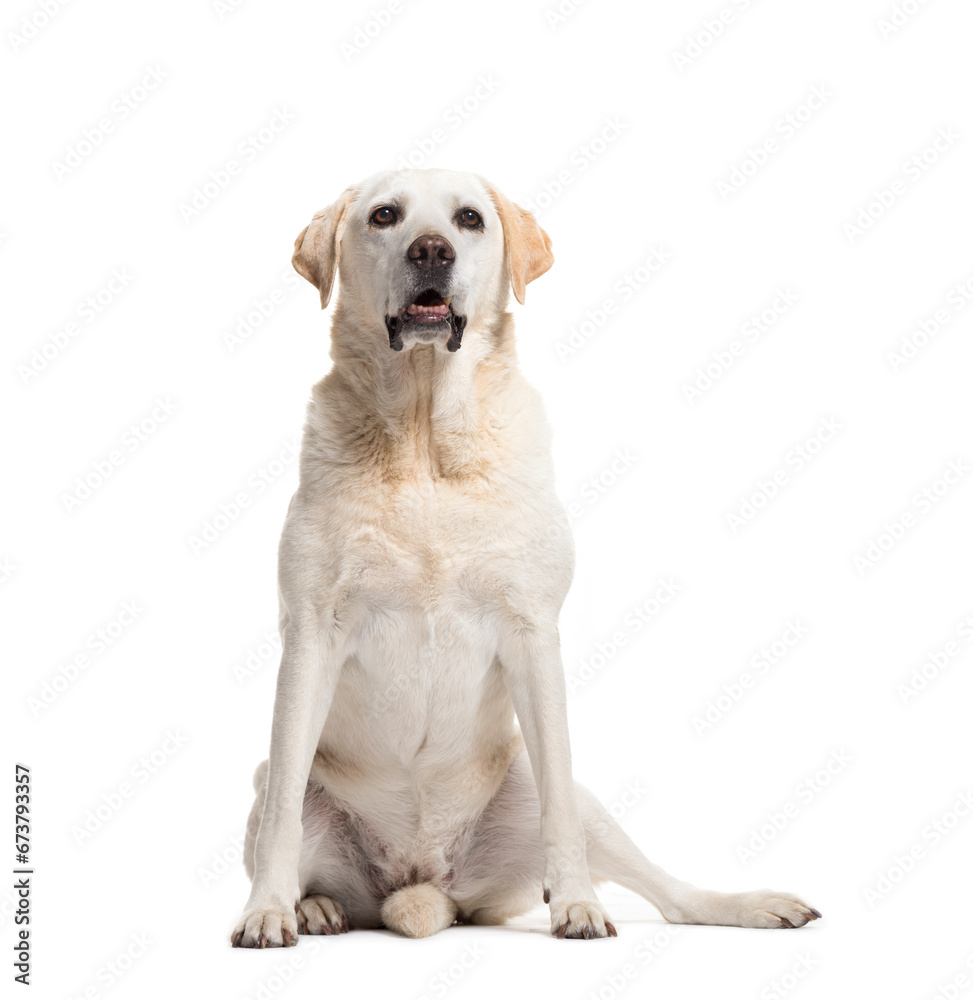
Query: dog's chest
[[435, 572], [430, 544]]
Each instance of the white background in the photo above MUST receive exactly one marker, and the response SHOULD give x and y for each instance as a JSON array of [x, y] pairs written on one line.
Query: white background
[[164, 864]]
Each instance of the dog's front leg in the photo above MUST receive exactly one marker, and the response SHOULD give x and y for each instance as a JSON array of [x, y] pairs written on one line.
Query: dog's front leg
[[311, 662], [531, 660]]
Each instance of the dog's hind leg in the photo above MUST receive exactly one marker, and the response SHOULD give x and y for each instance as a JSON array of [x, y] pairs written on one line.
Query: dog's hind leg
[[256, 812], [336, 891], [500, 875], [612, 856], [500, 871]]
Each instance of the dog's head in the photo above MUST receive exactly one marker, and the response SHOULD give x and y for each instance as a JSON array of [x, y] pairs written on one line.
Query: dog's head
[[422, 253]]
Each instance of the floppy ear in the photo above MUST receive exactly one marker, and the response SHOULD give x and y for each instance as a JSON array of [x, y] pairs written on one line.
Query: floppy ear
[[526, 245], [316, 248]]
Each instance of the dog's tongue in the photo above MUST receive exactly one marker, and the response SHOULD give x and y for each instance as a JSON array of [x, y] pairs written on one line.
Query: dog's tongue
[[440, 309]]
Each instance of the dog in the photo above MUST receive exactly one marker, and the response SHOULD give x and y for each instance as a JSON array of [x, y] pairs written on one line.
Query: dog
[[420, 770]]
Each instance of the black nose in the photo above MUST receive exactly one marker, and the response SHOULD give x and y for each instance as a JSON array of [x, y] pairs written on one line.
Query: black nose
[[430, 253]]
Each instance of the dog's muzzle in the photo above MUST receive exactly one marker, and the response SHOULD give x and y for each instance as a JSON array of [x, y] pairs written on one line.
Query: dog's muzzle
[[426, 318]]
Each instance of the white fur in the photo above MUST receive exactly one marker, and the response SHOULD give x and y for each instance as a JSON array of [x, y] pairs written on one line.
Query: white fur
[[422, 567]]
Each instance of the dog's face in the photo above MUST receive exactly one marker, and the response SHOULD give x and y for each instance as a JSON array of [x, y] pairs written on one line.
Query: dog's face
[[425, 248], [422, 253]]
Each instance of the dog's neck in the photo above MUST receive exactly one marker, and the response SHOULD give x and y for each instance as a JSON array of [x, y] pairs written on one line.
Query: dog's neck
[[419, 412]]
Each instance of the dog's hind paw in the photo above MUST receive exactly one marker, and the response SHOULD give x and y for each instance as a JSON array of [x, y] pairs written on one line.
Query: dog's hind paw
[[762, 908], [320, 915]]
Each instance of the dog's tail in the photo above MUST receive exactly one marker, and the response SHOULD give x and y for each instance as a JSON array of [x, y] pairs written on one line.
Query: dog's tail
[[418, 911]]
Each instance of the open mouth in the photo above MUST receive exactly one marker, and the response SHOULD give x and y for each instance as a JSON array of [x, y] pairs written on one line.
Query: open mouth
[[429, 308], [427, 317]]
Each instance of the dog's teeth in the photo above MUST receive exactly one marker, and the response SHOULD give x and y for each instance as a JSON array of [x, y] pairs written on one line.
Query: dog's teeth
[[440, 310]]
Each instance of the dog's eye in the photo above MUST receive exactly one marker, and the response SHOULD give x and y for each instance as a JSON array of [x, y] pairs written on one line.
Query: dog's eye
[[469, 218], [383, 216]]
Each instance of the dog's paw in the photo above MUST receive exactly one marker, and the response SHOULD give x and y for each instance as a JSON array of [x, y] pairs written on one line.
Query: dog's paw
[[762, 908], [765, 908], [265, 929], [581, 920], [320, 915]]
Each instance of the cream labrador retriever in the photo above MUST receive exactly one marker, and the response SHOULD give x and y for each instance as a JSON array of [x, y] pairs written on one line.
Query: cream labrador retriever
[[422, 567]]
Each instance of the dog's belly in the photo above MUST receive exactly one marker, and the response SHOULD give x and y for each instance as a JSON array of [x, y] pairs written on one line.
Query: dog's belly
[[419, 737]]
